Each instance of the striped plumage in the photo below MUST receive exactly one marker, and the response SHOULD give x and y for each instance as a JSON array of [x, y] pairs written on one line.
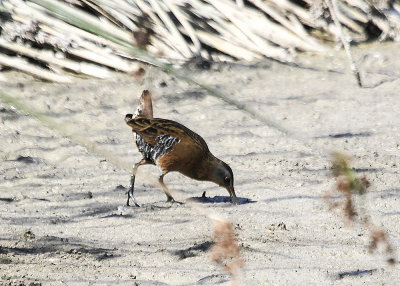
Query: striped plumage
[[174, 147]]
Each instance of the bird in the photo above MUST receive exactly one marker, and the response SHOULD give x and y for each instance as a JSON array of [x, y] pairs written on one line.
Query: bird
[[173, 147]]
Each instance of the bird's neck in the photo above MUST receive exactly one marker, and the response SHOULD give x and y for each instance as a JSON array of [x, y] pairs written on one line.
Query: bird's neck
[[207, 167]]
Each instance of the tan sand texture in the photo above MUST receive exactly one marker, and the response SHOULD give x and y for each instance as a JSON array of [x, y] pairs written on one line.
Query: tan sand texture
[[64, 176]]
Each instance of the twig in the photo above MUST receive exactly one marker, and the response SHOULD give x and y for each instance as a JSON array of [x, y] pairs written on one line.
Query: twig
[[334, 12]]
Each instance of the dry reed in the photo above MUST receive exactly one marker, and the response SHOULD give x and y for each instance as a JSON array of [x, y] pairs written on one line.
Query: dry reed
[[80, 36]]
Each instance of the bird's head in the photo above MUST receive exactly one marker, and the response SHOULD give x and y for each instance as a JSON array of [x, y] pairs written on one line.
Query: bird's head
[[128, 117], [223, 176]]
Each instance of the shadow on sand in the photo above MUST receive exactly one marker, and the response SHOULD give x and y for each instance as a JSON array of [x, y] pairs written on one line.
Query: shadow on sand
[[219, 199]]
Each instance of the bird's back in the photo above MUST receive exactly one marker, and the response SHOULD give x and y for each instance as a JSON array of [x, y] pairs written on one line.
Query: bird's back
[[180, 148], [156, 137]]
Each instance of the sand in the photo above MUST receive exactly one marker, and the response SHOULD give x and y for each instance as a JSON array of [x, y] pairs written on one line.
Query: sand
[[64, 176]]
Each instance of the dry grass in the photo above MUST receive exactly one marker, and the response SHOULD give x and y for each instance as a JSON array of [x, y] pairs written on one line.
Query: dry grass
[[91, 38]]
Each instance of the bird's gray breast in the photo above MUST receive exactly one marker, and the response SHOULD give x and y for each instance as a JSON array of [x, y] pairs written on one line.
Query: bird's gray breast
[[164, 144]]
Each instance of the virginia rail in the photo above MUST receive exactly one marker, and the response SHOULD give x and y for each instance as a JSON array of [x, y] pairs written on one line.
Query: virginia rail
[[173, 147]]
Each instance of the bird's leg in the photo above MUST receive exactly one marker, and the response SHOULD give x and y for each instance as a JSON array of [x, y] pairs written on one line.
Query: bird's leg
[[166, 191], [132, 185], [130, 192]]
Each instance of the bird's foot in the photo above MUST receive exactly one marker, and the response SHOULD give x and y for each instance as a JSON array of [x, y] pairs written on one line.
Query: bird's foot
[[133, 199], [172, 201]]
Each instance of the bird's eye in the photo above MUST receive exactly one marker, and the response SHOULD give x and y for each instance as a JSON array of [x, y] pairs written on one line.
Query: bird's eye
[[227, 179]]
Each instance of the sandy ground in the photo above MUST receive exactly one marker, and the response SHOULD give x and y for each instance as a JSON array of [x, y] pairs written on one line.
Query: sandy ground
[[64, 178]]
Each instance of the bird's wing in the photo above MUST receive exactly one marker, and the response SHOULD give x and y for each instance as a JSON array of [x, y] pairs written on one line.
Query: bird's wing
[[151, 129]]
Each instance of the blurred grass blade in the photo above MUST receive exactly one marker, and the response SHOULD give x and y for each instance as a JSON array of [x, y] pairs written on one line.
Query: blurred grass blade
[[91, 24]]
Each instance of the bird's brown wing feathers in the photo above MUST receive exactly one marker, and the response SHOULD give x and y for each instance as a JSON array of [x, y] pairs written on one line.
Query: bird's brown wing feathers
[[150, 129]]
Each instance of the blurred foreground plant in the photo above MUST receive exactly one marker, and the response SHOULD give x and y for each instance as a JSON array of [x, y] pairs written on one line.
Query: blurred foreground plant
[[226, 251], [350, 186]]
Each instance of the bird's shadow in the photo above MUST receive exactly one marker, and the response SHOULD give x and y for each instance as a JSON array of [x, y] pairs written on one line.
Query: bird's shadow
[[219, 199], [355, 273]]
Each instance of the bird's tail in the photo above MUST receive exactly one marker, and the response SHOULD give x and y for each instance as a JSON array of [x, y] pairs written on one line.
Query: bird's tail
[[145, 106]]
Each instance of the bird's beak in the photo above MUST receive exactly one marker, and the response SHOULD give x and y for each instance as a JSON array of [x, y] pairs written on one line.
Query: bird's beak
[[231, 191]]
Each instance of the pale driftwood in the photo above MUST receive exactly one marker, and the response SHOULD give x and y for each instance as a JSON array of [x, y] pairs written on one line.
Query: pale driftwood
[[25, 13], [226, 47], [186, 25], [293, 25], [271, 28], [204, 10], [360, 4], [240, 3], [180, 42], [355, 13], [258, 25], [231, 33], [2, 77], [264, 47], [227, 33], [159, 28], [128, 8], [237, 38], [393, 17], [24, 66], [111, 60], [114, 14], [286, 6], [101, 11], [350, 23], [383, 25], [281, 36], [161, 49], [279, 18], [104, 26], [106, 57]]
